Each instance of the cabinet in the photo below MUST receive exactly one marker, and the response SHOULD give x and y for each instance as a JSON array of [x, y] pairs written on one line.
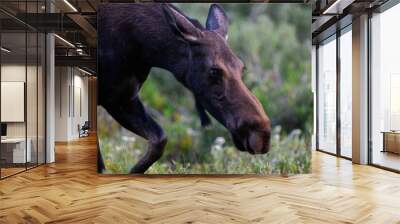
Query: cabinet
[[391, 142]]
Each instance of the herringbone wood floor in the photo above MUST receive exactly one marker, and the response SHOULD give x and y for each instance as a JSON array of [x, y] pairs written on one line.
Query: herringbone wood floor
[[70, 191]]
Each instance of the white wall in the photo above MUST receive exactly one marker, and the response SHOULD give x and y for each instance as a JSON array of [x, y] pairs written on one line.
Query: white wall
[[12, 73], [62, 81], [16, 73], [80, 111], [71, 102]]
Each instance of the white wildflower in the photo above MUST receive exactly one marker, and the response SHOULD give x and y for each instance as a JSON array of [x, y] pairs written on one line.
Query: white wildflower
[[295, 132], [118, 148], [128, 138], [136, 152], [220, 141]]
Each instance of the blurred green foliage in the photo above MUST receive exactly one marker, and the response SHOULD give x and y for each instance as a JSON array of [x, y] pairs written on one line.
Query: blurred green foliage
[[274, 42]]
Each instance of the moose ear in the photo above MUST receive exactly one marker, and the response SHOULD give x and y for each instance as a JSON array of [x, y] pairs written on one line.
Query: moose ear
[[217, 20], [180, 24]]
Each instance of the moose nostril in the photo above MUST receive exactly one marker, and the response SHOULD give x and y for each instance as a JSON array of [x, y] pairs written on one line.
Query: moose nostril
[[259, 142], [256, 142]]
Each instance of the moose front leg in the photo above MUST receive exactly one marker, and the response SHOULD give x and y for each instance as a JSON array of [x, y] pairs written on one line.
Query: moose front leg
[[134, 117]]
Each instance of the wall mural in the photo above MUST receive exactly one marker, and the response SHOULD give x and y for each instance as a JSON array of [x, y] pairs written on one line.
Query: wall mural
[[231, 94]]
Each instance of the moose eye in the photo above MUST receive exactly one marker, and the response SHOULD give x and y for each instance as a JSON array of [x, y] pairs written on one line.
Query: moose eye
[[215, 73]]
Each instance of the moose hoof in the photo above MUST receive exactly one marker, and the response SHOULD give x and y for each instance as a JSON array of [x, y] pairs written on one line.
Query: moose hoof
[[137, 170]]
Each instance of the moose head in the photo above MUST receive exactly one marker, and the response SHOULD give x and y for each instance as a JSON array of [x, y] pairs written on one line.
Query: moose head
[[214, 74]]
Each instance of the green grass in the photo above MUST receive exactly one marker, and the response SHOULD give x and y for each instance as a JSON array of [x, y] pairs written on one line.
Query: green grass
[[289, 154]]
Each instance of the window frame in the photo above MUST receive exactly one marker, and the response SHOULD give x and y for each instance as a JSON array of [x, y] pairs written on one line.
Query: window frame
[[333, 37]]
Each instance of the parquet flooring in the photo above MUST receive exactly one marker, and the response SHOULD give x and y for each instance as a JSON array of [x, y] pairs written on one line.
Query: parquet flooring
[[10, 171], [70, 191]]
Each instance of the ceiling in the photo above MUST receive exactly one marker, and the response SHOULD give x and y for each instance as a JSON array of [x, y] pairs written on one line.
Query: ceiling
[[74, 21], [332, 15]]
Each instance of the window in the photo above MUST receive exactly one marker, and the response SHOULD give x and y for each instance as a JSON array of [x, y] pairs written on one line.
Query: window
[[327, 96], [385, 89], [22, 77], [346, 93], [15, 147]]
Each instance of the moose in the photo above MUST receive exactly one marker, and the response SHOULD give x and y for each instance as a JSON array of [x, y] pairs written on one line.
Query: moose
[[134, 37]]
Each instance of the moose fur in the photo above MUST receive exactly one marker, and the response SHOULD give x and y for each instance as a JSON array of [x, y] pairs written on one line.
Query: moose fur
[[133, 38]]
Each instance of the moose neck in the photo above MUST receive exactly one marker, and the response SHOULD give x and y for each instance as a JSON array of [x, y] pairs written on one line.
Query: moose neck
[[175, 56]]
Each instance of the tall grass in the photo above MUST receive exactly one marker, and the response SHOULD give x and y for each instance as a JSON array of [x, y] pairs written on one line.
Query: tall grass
[[289, 154]]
